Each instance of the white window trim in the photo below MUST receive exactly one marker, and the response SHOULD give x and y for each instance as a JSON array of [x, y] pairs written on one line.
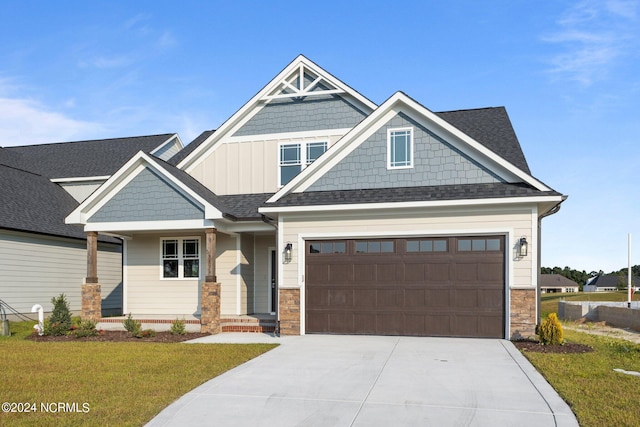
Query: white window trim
[[389, 132], [303, 155], [181, 258]]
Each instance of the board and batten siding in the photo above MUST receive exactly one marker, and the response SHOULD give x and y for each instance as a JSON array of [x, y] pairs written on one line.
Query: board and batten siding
[[247, 259], [224, 170], [148, 293], [81, 190], [35, 268], [453, 221]]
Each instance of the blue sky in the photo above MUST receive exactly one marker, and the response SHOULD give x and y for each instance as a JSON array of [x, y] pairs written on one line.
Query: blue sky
[[567, 72]]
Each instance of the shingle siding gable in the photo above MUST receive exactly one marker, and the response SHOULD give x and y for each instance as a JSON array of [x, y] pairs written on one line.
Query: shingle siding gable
[[147, 198], [291, 115], [435, 163]]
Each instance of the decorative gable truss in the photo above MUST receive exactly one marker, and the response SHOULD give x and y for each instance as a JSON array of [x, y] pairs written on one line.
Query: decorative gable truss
[[302, 82]]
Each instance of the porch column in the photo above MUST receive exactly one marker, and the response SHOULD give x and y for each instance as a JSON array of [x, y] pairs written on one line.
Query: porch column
[[91, 308], [210, 299], [211, 255]]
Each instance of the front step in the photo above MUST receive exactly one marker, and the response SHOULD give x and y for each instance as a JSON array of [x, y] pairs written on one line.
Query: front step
[[248, 324]]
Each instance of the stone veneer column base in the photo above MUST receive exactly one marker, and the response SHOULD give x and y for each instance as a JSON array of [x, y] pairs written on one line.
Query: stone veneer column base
[[91, 307], [289, 309], [210, 308], [523, 313]]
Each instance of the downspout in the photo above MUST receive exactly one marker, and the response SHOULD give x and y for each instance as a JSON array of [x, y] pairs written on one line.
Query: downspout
[[550, 212]]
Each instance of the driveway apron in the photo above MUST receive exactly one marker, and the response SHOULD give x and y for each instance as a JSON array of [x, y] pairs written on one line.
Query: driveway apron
[[331, 380]]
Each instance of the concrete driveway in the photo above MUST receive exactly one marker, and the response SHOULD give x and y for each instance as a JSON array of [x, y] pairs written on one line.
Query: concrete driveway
[[329, 380]]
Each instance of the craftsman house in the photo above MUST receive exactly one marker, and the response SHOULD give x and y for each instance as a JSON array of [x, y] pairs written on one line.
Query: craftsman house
[[317, 207]]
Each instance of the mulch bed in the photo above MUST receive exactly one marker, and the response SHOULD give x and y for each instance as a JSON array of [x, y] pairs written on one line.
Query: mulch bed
[[118, 336], [566, 348]]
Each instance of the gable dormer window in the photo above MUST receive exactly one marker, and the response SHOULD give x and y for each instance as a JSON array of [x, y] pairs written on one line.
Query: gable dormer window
[[295, 157], [400, 148]]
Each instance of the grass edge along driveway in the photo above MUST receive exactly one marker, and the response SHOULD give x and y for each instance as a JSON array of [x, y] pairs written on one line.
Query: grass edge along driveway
[[104, 383]]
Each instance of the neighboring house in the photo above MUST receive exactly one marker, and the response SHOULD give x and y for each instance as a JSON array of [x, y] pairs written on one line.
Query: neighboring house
[[551, 283], [340, 215], [41, 256], [610, 283]]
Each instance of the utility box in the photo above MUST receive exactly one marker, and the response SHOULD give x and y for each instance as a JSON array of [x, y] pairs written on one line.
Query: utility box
[[5, 332]]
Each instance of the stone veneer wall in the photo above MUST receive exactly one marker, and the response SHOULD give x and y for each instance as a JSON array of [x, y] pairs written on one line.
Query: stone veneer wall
[[210, 308], [289, 309], [91, 306], [523, 313]]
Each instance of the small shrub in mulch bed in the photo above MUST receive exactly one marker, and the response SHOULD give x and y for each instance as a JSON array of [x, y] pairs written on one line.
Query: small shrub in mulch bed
[[118, 336], [537, 347]]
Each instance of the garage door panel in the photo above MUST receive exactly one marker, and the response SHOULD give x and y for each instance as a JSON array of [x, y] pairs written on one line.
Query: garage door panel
[[491, 272], [341, 323], [340, 273], [428, 293], [319, 272], [438, 272], [415, 298], [490, 298], [437, 297], [465, 272], [390, 298], [363, 273], [365, 323], [414, 272], [414, 324], [340, 298], [388, 273], [437, 325], [365, 298], [317, 322], [390, 323]]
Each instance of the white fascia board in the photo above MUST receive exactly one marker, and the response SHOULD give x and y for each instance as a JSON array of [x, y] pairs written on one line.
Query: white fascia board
[[80, 179], [191, 160], [410, 205], [247, 227], [127, 226], [171, 138], [290, 136]]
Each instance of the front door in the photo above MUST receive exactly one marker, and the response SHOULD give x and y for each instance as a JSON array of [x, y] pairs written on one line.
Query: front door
[[273, 281]]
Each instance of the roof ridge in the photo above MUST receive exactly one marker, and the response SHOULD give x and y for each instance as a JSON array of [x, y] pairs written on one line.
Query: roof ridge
[[470, 109], [90, 140], [21, 170]]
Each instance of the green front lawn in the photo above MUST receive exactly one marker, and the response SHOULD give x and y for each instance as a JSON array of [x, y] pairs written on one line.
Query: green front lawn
[[119, 384], [597, 394]]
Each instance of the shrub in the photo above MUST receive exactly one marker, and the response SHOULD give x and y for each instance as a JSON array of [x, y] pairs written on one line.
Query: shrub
[[134, 327], [551, 331], [147, 333], [86, 328], [178, 327], [59, 323]]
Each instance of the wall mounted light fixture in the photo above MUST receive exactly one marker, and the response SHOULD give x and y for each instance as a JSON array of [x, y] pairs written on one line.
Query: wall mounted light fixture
[[287, 252], [523, 248]]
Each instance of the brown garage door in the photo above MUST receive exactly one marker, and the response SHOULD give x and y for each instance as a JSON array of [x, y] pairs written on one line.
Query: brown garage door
[[451, 286]]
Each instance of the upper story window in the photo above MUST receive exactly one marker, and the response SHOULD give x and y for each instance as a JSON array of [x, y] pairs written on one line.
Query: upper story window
[[400, 148], [180, 258], [295, 157]]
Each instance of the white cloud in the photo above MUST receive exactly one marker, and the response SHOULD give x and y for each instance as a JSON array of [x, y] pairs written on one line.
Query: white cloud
[[24, 122], [593, 36]]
